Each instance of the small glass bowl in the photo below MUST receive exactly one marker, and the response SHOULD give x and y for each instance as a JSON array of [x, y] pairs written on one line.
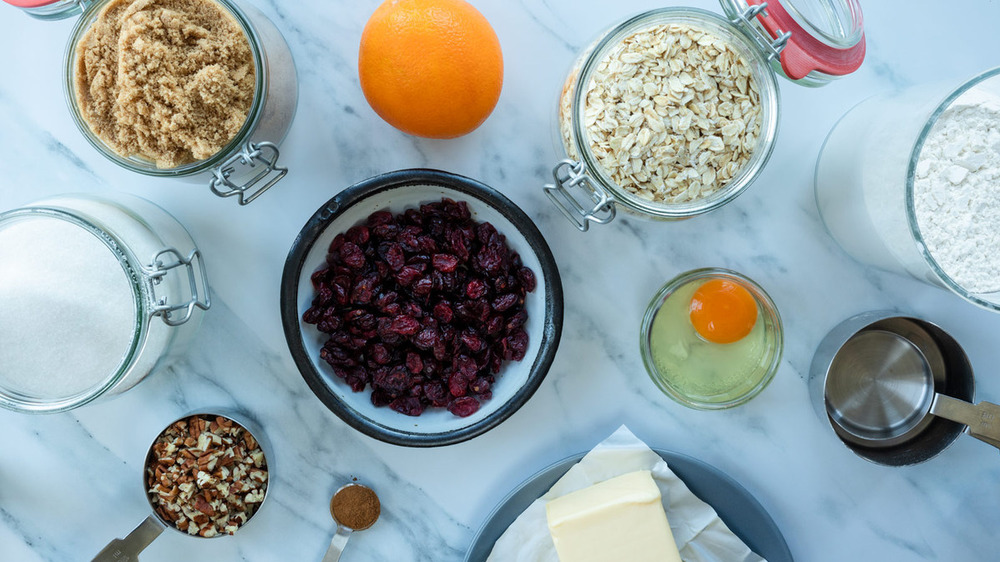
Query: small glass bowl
[[762, 360]]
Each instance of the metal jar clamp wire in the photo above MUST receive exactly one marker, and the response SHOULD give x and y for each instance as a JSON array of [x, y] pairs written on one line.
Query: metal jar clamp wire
[[164, 262], [569, 174], [250, 155], [745, 21]]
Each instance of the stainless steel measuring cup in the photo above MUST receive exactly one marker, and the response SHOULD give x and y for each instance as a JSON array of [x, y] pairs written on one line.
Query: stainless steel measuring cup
[[128, 549], [897, 390]]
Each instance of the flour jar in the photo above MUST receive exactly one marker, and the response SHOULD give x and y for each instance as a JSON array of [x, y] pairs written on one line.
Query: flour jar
[[96, 293], [678, 144], [909, 182], [245, 166]]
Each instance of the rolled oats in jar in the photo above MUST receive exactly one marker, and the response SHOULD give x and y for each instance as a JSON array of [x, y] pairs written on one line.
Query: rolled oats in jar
[[671, 113]]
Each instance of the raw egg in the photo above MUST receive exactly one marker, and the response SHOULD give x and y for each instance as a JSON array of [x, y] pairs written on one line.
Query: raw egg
[[722, 311]]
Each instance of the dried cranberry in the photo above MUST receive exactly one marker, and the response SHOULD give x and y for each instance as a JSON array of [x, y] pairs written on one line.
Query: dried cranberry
[[427, 244], [407, 276], [480, 385], [475, 289], [380, 217], [489, 261], [442, 311], [405, 325], [458, 385], [423, 286], [517, 344], [516, 320], [396, 382], [393, 255], [504, 302], [363, 291], [527, 278], [410, 406], [472, 341], [426, 338], [444, 262], [437, 394], [414, 363], [313, 315], [357, 234], [379, 354], [464, 366], [385, 299], [464, 407], [336, 243], [352, 256]]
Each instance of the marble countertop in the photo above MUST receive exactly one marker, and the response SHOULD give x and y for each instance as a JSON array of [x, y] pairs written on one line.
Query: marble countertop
[[70, 482]]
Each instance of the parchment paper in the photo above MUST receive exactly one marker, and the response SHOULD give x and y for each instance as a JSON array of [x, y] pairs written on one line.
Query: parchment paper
[[700, 535]]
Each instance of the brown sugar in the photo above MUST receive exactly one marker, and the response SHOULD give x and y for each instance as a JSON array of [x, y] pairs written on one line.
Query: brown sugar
[[170, 81]]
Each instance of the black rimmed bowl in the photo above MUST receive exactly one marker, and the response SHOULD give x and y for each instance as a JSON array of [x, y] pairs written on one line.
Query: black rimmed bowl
[[396, 192]]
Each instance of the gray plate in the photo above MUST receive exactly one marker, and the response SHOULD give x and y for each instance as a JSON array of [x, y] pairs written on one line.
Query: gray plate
[[738, 509]]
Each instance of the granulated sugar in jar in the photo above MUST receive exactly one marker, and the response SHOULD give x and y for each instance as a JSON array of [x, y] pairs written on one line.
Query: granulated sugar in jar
[[96, 293], [42, 317]]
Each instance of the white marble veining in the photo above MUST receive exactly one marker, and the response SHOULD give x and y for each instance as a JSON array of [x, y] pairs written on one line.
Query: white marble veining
[[71, 482]]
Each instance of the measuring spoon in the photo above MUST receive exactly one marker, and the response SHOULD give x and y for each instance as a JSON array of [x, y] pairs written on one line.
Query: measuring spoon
[[339, 541]]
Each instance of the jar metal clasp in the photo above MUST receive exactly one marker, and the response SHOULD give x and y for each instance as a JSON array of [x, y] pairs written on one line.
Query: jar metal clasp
[[771, 47], [164, 262], [597, 205], [264, 153]]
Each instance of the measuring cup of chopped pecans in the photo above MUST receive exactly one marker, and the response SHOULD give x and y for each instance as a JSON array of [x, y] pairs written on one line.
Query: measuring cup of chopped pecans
[[205, 475]]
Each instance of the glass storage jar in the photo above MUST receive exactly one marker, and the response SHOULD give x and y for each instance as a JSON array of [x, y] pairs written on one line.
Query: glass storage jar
[[808, 41], [96, 293], [248, 165], [866, 178]]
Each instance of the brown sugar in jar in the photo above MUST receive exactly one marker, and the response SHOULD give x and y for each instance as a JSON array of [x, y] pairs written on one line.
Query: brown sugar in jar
[[170, 81]]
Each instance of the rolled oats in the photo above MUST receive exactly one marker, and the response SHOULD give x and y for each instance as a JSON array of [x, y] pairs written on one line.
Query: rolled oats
[[672, 113]]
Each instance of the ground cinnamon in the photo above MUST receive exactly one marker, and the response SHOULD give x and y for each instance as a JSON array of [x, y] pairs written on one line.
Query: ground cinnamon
[[355, 506]]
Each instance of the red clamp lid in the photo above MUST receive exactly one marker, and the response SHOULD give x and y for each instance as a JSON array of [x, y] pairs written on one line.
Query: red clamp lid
[[30, 3], [835, 54]]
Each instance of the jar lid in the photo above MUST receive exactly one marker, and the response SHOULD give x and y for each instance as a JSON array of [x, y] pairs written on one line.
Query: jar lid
[[818, 40], [34, 3], [68, 311], [49, 9]]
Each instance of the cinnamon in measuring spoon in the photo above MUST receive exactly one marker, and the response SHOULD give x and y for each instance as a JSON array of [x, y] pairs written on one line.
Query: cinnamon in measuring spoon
[[355, 506]]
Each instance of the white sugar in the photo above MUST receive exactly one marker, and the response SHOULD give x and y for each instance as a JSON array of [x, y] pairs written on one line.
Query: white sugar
[[957, 192], [67, 313]]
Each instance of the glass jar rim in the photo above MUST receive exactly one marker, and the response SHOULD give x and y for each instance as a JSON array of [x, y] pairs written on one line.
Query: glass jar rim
[[910, 201], [761, 72], [764, 303], [846, 40], [134, 164], [131, 268]]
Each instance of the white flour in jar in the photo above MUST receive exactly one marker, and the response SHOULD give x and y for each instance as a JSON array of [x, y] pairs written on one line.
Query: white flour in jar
[[956, 192], [67, 311]]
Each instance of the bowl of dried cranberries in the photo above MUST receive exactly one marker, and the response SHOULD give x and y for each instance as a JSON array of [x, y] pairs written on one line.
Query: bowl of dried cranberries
[[422, 307]]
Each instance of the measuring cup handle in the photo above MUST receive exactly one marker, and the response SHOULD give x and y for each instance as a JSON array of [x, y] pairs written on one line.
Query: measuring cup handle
[[983, 419], [337, 544], [128, 549]]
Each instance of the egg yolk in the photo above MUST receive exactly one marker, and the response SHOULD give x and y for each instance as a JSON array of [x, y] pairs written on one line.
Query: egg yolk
[[722, 311]]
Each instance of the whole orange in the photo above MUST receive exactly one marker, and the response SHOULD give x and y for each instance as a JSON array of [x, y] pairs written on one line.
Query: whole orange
[[430, 68]]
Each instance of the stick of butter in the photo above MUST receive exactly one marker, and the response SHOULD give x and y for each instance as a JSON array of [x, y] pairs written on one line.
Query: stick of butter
[[618, 519]]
